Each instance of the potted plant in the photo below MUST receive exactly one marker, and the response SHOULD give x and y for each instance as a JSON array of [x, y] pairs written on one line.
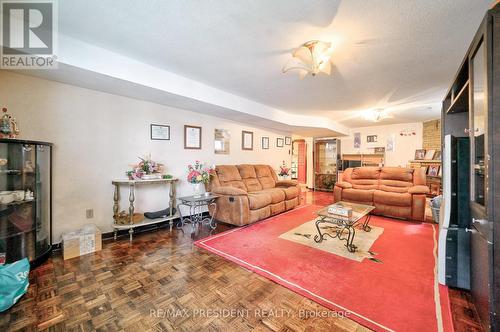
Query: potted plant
[[147, 169], [284, 171], [198, 175]]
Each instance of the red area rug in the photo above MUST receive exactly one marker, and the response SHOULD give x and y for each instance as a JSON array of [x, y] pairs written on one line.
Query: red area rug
[[400, 293]]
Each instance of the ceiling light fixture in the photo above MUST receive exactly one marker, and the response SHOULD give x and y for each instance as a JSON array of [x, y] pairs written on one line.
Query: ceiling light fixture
[[312, 57], [377, 115]]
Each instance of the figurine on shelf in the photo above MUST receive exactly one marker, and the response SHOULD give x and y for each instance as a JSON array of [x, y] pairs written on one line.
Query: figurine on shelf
[[8, 125], [28, 167], [28, 195]]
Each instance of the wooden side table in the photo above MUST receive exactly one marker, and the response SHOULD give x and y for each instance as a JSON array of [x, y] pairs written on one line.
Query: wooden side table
[[131, 197]]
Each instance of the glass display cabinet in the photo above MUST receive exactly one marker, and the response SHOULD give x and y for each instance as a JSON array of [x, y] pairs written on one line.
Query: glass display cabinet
[[326, 161], [25, 200]]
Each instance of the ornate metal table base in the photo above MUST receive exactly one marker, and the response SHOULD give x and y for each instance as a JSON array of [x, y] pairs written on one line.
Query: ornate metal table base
[[343, 230], [196, 205]]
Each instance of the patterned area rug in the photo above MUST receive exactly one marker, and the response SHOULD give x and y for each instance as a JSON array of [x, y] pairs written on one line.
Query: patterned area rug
[[305, 233], [401, 294]]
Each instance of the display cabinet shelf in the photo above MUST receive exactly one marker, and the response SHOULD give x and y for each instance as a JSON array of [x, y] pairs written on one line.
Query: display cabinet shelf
[[25, 224]]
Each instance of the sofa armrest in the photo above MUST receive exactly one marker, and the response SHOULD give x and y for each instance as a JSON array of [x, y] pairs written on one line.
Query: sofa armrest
[[418, 190], [230, 191], [343, 185], [286, 183]]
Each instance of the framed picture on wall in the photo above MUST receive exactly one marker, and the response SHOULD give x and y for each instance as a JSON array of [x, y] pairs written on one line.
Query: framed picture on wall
[[433, 170], [265, 143], [192, 137], [429, 154], [160, 132], [221, 141], [280, 142], [357, 140], [371, 139], [420, 154], [246, 140], [288, 140], [437, 155]]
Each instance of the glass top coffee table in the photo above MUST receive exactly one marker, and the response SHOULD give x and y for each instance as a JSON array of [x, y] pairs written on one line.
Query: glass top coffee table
[[344, 227]]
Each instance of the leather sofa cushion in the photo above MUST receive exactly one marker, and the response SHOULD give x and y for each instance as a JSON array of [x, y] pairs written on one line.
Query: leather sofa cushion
[[290, 192], [247, 173], [290, 204], [263, 213], [235, 184], [229, 191], [277, 208], [258, 200], [395, 186], [252, 184], [393, 211], [277, 194], [343, 185], [418, 190], [365, 173], [228, 173], [397, 173], [364, 184], [265, 176], [391, 198], [357, 195], [230, 176], [287, 183]]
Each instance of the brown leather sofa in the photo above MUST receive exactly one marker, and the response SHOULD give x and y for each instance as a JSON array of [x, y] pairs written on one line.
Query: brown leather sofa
[[249, 193], [394, 191]]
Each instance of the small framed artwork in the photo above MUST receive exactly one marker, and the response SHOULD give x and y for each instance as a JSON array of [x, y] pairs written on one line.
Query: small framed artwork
[[429, 154], [420, 154], [288, 141], [246, 140], [433, 170], [192, 137], [357, 140], [221, 141], [280, 142], [371, 139], [265, 143], [160, 132], [380, 149], [437, 155]]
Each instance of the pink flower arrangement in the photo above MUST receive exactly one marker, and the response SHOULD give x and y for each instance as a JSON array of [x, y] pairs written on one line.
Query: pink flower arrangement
[[284, 170], [199, 173], [147, 166]]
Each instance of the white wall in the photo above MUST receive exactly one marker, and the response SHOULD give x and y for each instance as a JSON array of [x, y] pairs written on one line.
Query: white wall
[[405, 145], [97, 136]]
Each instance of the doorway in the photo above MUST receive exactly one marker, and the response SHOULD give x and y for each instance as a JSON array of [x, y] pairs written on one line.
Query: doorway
[[299, 161]]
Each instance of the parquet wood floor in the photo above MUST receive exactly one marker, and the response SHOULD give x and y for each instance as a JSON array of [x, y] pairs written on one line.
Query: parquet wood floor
[[162, 282]]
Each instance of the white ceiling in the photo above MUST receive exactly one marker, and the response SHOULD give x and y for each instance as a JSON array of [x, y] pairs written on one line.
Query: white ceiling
[[395, 54]]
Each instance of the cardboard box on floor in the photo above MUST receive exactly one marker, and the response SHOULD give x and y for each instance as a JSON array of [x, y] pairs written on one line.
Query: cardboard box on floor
[[81, 242]]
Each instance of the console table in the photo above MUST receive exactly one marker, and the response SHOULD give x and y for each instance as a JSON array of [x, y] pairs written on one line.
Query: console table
[[131, 197]]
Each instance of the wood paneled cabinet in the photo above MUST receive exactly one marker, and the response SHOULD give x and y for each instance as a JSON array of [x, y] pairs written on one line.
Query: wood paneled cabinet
[[471, 109]]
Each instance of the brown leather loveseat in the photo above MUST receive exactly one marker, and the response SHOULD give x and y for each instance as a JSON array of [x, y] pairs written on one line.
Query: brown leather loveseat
[[394, 191], [249, 193]]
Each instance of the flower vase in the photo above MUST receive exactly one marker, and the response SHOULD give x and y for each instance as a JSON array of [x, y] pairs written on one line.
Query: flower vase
[[197, 189]]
